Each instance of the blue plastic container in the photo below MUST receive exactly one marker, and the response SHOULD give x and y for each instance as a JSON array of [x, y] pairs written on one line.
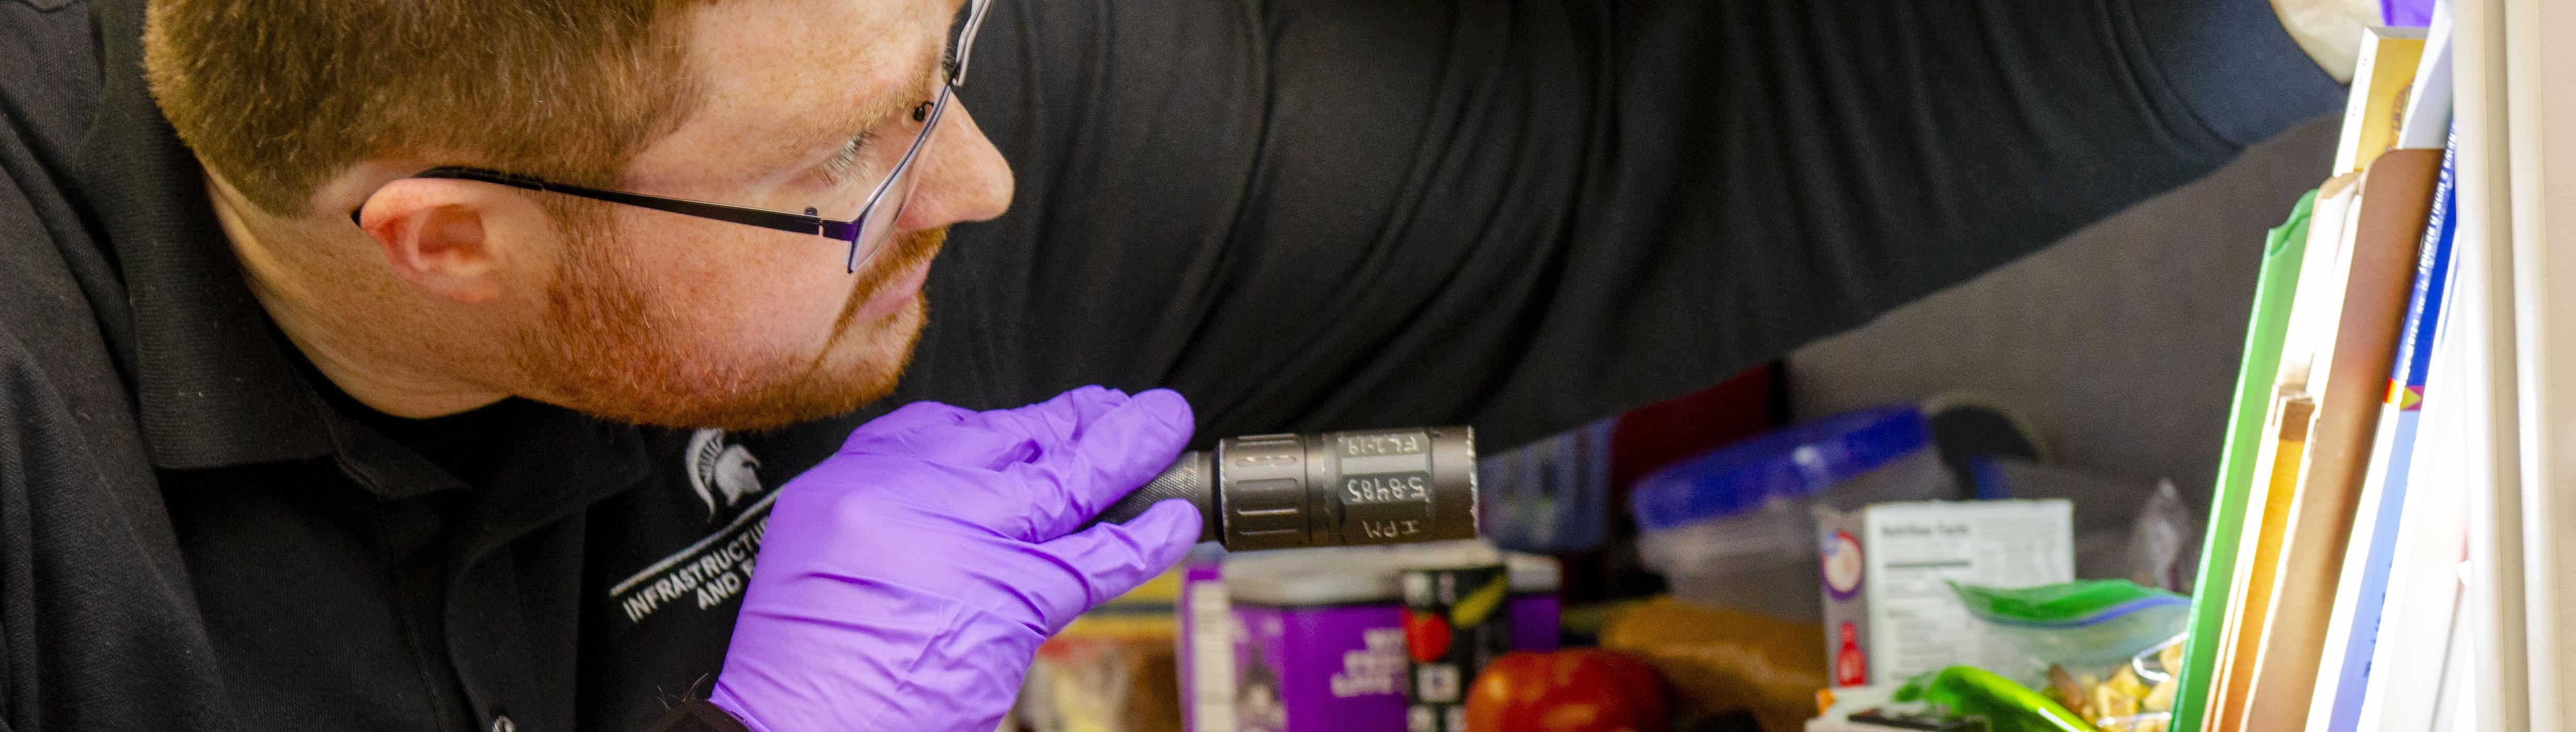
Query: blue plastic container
[[1732, 527]]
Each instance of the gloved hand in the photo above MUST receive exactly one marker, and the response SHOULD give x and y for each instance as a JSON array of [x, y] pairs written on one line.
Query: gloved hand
[[906, 582]]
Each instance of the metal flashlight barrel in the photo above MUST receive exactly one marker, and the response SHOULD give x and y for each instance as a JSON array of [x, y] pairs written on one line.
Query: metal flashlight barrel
[[1388, 486]]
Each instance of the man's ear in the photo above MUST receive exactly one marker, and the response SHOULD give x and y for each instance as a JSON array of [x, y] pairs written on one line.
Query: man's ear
[[437, 234]]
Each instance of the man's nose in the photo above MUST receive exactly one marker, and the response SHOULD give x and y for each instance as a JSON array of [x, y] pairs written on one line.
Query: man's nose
[[962, 177]]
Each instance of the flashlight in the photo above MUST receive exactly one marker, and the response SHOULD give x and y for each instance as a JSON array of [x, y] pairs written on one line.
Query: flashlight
[[1393, 486]]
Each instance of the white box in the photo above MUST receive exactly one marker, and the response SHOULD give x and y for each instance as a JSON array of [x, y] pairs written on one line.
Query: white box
[[1889, 612]]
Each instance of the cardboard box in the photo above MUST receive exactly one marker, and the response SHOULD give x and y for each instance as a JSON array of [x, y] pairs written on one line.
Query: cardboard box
[[1889, 612]]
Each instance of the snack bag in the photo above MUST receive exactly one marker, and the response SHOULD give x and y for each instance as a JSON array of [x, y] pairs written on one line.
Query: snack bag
[[1721, 660], [2087, 626]]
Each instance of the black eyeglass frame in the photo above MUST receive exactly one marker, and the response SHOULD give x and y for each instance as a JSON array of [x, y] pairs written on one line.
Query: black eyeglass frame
[[955, 56]]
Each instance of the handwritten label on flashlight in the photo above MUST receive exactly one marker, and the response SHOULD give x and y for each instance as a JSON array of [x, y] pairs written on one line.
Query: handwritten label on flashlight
[[1385, 488], [1383, 452], [1385, 508], [1360, 490], [1381, 532], [1383, 443]]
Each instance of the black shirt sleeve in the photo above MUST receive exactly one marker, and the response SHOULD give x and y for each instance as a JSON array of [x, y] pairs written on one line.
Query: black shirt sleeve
[[1522, 214]]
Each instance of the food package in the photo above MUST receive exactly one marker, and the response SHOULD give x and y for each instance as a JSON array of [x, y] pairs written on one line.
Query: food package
[[1886, 567], [2086, 626], [1305, 640], [1111, 670], [1456, 620], [2138, 696], [1720, 660]]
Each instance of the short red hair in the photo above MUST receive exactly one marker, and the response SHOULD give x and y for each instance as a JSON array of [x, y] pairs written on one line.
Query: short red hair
[[277, 96]]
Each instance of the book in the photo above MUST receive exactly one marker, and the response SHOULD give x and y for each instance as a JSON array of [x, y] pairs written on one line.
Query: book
[[2489, 436], [2426, 121], [2354, 630], [2246, 597], [2453, 708], [2381, 79], [2346, 378], [2424, 587], [2258, 557], [2283, 247], [2322, 275]]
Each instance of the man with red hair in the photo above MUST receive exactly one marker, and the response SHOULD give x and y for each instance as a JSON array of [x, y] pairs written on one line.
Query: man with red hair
[[448, 365]]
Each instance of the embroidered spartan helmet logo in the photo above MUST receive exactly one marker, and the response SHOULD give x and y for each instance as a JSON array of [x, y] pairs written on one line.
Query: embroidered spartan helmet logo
[[722, 474]]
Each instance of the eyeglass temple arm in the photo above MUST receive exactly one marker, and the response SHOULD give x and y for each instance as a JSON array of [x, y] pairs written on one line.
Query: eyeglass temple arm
[[966, 41], [780, 220]]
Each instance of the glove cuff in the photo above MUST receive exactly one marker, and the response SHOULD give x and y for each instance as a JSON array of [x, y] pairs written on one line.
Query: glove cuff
[[957, 672], [698, 716]]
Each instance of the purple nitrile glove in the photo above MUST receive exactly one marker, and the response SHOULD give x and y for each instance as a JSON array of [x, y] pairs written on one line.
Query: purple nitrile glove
[[906, 582]]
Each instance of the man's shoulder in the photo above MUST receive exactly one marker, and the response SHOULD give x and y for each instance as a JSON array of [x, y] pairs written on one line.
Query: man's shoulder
[[54, 343], [62, 301], [50, 78], [60, 294], [62, 26]]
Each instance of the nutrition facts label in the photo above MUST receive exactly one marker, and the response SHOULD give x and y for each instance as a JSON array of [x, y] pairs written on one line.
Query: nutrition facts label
[[1917, 549], [1212, 638]]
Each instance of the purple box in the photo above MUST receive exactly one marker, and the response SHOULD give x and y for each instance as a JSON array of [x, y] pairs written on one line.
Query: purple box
[[1316, 643], [1341, 668], [1322, 668], [1536, 618]]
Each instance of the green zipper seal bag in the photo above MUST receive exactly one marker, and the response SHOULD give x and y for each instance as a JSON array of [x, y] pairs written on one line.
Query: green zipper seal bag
[[2006, 706], [2083, 626]]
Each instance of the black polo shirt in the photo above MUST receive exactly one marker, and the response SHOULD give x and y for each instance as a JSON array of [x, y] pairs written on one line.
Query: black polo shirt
[[1301, 213], [524, 560]]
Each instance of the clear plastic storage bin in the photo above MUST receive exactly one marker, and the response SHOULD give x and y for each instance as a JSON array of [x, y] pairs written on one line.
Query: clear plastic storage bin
[[1731, 527]]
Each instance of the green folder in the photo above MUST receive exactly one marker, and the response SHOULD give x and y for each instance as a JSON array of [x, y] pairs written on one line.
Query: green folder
[[2282, 249]]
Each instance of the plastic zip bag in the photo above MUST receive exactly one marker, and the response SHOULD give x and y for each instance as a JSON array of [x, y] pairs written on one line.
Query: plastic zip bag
[[2005, 706], [2164, 541], [2092, 624]]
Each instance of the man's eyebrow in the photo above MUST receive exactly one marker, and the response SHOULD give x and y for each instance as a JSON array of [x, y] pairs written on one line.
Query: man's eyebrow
[[877, 111]]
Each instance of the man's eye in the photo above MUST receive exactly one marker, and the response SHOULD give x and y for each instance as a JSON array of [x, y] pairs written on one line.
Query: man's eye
[[836, 169]]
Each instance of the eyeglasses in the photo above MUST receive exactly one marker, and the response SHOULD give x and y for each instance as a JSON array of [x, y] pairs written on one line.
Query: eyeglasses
[[866, 231]]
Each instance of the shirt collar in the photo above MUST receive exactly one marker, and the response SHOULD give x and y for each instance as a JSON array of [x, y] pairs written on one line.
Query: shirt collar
[[213, 386]]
